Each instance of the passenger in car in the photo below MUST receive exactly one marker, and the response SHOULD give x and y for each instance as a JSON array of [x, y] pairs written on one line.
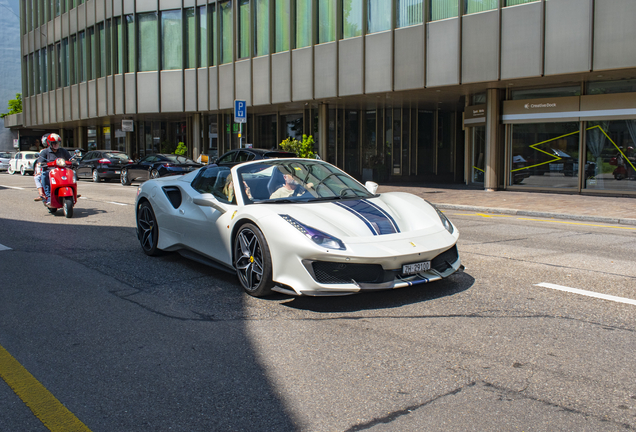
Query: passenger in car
[[228, 189]]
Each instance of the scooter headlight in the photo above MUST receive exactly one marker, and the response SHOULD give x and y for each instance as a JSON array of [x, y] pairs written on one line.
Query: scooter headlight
[[60, 162]]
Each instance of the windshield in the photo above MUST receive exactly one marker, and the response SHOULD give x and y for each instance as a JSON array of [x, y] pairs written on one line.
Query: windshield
[[178, 159], [304, 180]]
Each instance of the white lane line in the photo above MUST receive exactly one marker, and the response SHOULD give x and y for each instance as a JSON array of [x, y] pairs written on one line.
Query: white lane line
[[12, 187], [587, 293], [3, 247], [116, 203]]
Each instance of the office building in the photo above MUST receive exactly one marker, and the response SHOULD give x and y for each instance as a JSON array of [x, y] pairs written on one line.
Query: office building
[[504, 94]]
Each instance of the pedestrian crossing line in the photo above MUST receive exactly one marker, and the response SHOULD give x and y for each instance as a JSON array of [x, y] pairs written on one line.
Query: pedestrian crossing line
[[50, 411], [587, 293]]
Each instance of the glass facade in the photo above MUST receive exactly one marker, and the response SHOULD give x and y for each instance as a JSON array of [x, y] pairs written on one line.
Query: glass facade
[[202, 16], [147, 48], [442, 9], [190, 34], [129, 60], [261, 27], [303, 23], [409, 12], [351, 18], [243, 31], [378, 16], [171, 45], [225, 10], [518, 2], [326, 21], [474, 6], [281, 25], [81, 58], [610, 159]]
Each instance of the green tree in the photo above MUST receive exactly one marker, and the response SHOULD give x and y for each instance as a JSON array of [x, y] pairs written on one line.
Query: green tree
[[303, 149], [181, 150], [15, 106]]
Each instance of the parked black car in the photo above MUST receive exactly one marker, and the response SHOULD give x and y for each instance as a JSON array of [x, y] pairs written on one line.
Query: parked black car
[[237, 156], [157, 165], [102, 165]]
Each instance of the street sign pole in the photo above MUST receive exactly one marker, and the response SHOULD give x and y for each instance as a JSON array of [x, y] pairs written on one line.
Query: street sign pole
[[240, 117]]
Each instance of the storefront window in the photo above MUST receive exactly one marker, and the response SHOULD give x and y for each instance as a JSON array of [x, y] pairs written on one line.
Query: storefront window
[[546, 93], [379, 16], [351, 18], [91, 139], [611, 157], [281, 25], [442, 9], [606, 87], [409, 12], [545, 155], [474, 6], [352, 150], [266, 131], [478, 154]]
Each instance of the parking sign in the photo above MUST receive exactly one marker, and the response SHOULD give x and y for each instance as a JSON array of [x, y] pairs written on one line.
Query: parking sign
[[240, 111]]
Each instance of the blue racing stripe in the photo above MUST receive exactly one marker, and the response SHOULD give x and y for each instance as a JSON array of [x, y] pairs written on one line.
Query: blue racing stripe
[[378, 221]]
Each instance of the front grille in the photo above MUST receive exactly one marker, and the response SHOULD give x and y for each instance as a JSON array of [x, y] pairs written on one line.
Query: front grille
[[342, 273], [443, 261]]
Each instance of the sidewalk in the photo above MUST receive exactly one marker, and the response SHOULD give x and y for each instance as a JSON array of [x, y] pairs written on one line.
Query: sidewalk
[[615, 210]]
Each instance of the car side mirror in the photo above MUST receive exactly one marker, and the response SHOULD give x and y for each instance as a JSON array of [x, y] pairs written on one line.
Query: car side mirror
[[208, 200], [371, 186]]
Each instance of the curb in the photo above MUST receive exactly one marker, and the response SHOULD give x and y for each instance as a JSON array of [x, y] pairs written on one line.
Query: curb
[[622, 221]]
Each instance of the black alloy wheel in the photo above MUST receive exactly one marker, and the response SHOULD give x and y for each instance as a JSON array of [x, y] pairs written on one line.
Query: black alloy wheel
[[147, 229], [253, 261]]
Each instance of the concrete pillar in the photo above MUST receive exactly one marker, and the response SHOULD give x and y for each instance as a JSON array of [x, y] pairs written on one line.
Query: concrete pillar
[[323, 130], [493, 138], [196, 136], [79, 137]]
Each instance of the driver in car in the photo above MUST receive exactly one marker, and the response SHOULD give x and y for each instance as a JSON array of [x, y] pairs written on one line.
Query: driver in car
[[289, 188]]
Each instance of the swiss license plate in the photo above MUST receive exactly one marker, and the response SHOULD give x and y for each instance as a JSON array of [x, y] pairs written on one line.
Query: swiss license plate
[[117, 172], [416, 267]]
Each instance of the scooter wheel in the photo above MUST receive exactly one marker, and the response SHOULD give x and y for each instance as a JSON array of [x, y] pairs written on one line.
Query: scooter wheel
[[68, 207]]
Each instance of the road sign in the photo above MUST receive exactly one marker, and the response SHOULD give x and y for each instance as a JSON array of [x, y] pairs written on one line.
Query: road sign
[[240, 111]]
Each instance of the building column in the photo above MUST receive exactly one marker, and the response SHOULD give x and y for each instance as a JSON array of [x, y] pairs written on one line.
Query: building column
[[493, 139], [79, 138], [196, 135], [323, 130]]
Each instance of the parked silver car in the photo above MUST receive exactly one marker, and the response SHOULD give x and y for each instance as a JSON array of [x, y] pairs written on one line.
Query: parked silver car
[[5, 157]]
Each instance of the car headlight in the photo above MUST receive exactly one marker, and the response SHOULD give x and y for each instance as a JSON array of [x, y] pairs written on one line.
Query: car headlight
[[447, 224], [320, 238]]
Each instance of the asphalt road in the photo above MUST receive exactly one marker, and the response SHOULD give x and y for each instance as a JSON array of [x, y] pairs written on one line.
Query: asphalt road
[[131, 343]]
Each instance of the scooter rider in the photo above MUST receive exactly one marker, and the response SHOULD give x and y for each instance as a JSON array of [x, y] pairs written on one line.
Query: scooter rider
[[53, 152]]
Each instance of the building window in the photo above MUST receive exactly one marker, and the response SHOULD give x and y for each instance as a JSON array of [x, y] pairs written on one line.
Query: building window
[[43, 74], [611, 155], [106, 53], [546, 92], [243, 32], [118, 49], [518, 2], [59, 75], [81, 58], [409, 12], [66, 63], [91, 60], [36, 72], [326, 21], [51, 67], [213, 29], [281, 25], [303, 23], [226, 32], [100, 51], [30, 75], [261, 27], [147, 42], [442, 9], [129, 61], [56, 7], [379, 16], [474, 6], [72, 68], [202, 16], [607, 87], [351, 18], [191, 38], [171, 45]]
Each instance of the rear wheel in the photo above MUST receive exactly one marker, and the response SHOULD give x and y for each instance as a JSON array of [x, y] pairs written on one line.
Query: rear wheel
[[125, 179], [11, 170], [96, 177], [68, 207], [154, 174], [147, 229], [253, 261]]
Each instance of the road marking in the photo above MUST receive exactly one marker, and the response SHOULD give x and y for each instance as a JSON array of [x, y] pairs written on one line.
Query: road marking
[[3, 247], [50, 411], [116, 203], [578, 223], [12, 187], [588, 293]]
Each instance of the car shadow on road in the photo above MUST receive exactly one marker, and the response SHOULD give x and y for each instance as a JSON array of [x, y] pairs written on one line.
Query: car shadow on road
[[455, 284]]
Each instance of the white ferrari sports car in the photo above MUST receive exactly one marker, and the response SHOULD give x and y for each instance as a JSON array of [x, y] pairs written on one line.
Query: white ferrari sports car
[[297, 226]]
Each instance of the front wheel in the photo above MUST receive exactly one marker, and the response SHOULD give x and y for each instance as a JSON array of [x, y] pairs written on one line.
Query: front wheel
[[253, 261], [147, 229], [22, 170], [154, 174], [68, 207], [11, 170]]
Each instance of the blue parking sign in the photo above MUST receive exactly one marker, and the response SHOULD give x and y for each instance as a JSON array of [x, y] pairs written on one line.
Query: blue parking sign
[[240, 111]]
